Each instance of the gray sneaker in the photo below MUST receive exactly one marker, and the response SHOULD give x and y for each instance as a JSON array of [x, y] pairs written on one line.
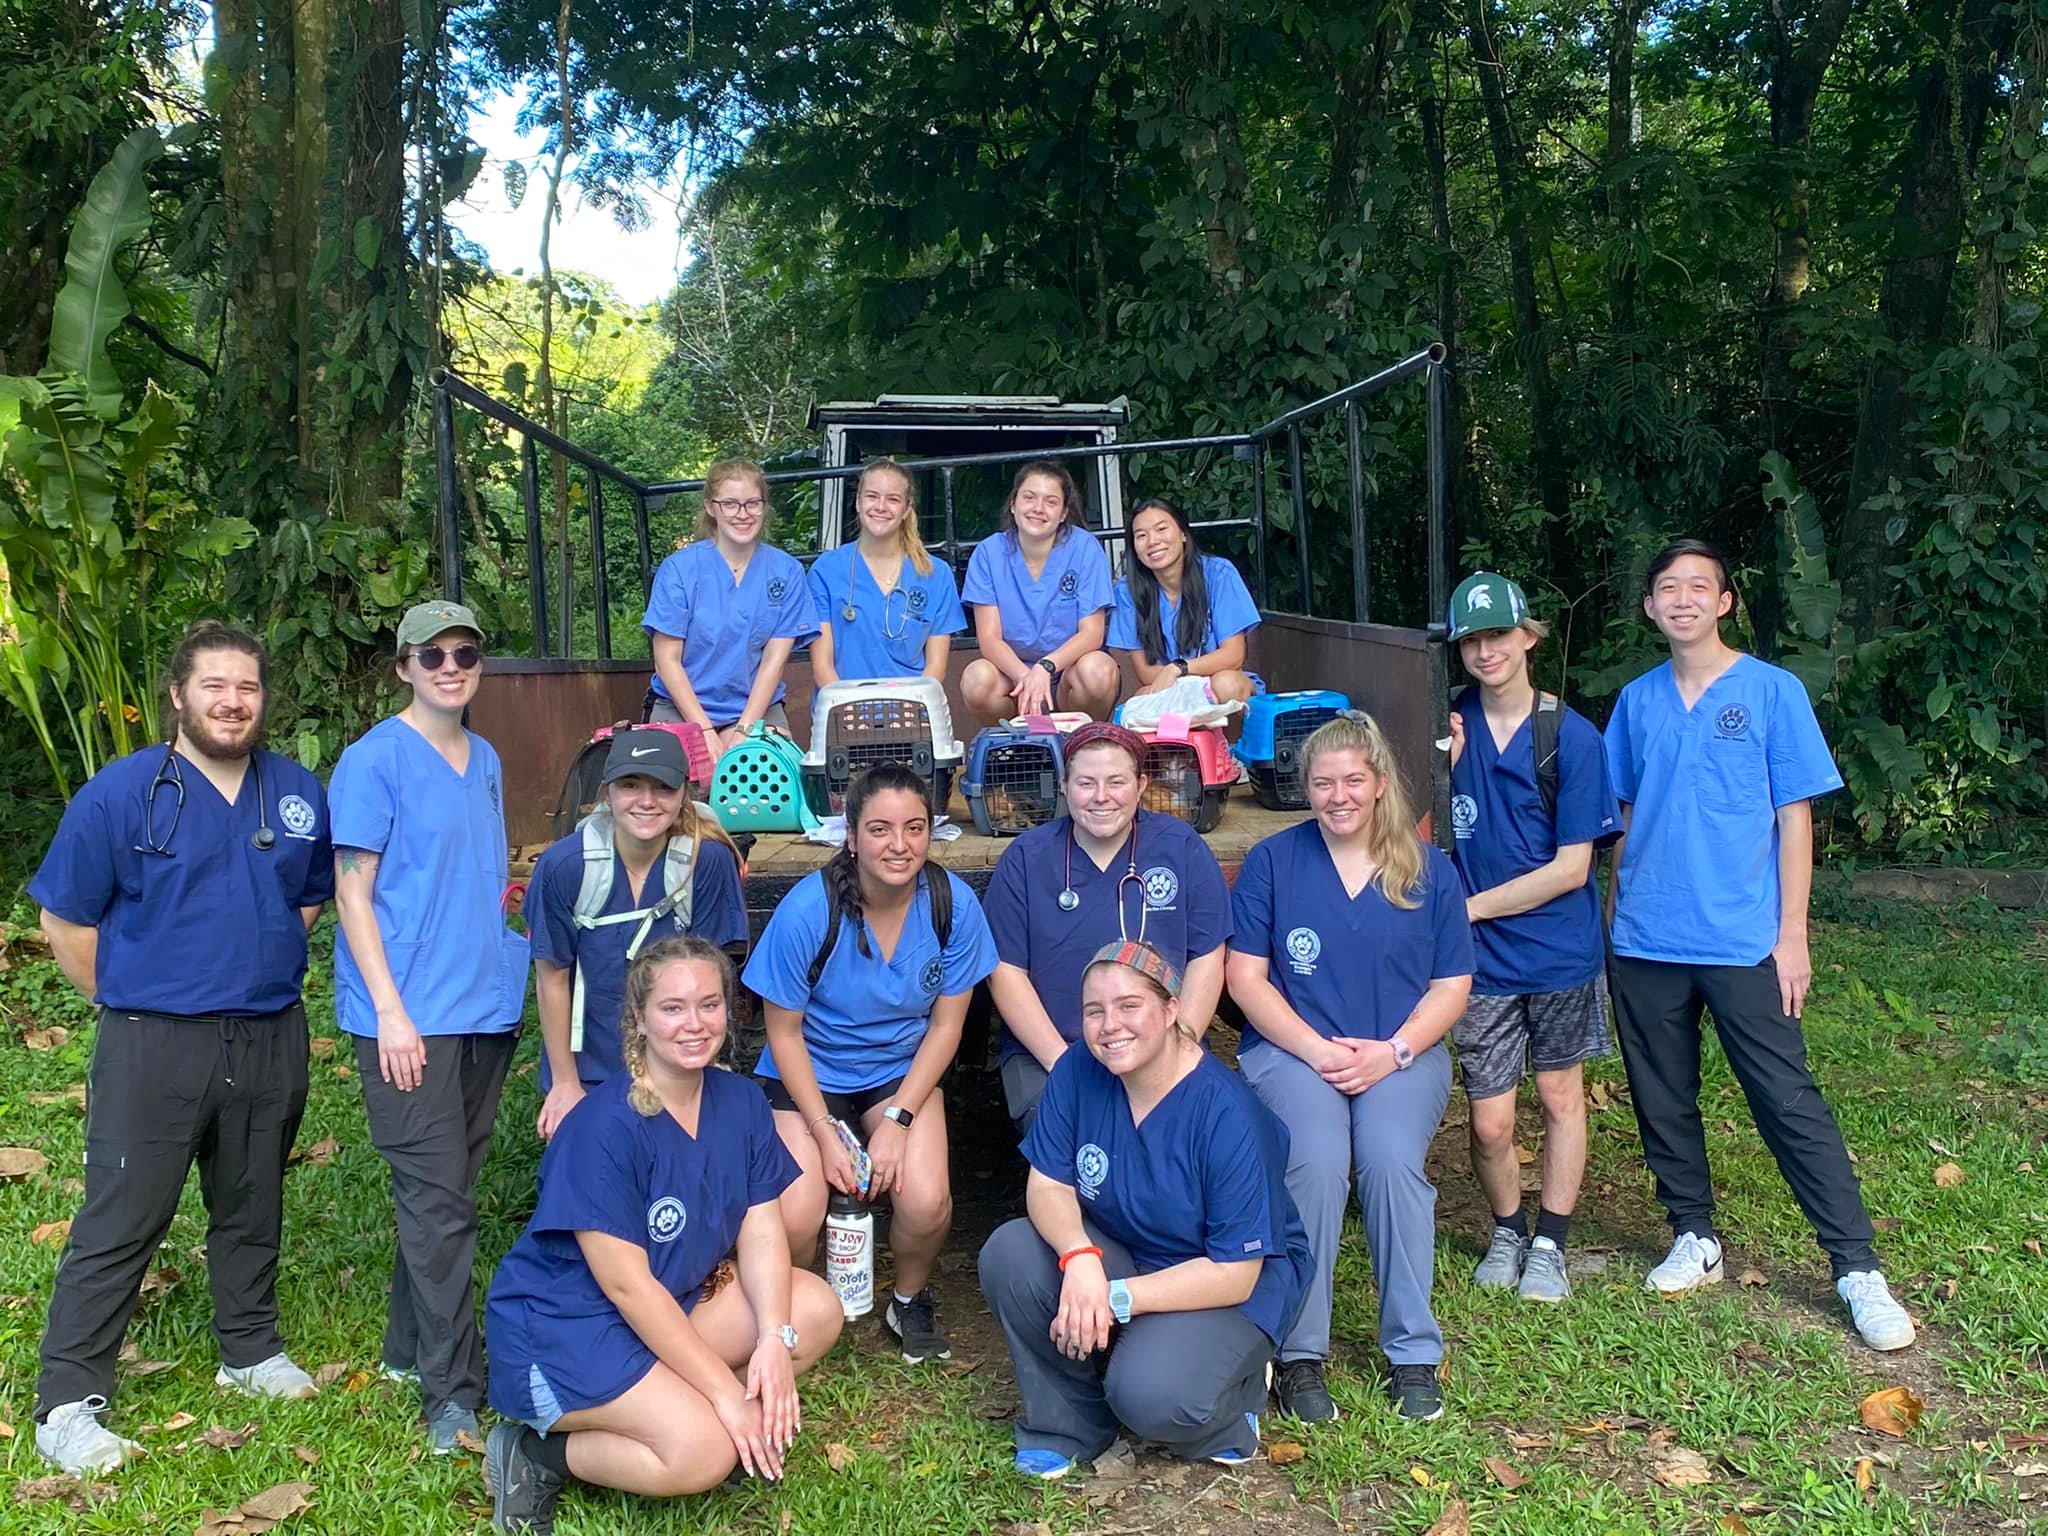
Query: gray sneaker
[[1543, 1276], [279, 1376], [73, 1439], [445, 1424], [1501, 1269]]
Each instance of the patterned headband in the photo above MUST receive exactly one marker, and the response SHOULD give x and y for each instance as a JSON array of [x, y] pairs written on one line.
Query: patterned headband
[[1143, 959], [1100, 732]]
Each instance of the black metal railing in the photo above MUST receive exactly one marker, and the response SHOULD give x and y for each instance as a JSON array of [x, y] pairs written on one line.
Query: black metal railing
[[1252, 447]]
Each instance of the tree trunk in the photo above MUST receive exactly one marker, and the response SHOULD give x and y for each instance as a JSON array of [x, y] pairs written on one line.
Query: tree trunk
[[1460, 469], [1204, 98], [1625, 17], [557, 417], [1511, 169], [1926, 239], [1361, 82]]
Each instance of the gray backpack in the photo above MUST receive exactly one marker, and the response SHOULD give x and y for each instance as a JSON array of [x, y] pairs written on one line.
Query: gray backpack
[[600, 863]]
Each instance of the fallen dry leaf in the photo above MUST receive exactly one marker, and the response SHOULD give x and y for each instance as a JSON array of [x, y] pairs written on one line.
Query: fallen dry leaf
[[342, 1069], [322, 1151], [145, 1367], [46, 1039], [75, 1094], [170, 1426], [78, 1496], [1455, 1521], [329, 1373], [1419, 1475], [1894, 1411], [2031, 1469], [1285, 1453], [1505, 1474], [1529, 1442], [161, 1279], [839, 1456], [1524, 1156], [321, 1046], [20, 1163], [1733, 1525], [472, 1443], [1676, 1467], [2023, 1167], [53, 1232], [1948, 1176], [2032, 1245], [1866, 1474], [307, 1454], [356, 1380], [258, 1513], [6, 1430], [782, 1524], [221, 1438], [1752, 1278]]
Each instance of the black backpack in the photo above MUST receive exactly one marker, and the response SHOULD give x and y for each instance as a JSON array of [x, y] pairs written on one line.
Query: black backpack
[[938, 885], [1545, 724]]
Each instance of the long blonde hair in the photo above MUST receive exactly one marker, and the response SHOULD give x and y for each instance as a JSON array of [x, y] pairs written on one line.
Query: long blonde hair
[[640, 982], [1390, 835], [913, 542], [716, 476]]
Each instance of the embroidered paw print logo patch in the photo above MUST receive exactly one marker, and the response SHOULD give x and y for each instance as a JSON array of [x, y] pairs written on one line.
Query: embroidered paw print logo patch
[[934, 975], [296, 815], [1162, 885], [1464, 814], [1304, 948], [1069, 584], [666, 1220], [1091, 1167], [778, 589], [917, 600], [1732, 721]]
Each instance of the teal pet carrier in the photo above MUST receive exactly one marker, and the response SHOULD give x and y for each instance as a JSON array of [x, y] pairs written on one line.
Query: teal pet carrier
[[759, 785]]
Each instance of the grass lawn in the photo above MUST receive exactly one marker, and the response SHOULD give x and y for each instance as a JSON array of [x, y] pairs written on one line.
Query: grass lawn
[[1928, 1031]]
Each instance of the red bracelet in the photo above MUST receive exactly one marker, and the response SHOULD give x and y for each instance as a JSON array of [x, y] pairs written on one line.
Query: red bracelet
[[1076, 1253]]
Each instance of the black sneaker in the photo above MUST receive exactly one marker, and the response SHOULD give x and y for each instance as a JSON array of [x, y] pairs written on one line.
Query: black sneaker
[[1302, 1393], [1415, 1392], [915, 1322], [523, 1492]]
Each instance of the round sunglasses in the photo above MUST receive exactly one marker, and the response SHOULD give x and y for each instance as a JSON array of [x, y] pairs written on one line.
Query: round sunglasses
[[431, 657]]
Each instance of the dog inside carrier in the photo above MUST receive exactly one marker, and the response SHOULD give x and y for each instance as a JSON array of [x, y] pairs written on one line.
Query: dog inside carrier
[[1014, 777], [858, 722], [1275, 726], [583, 784], [1188, 772]]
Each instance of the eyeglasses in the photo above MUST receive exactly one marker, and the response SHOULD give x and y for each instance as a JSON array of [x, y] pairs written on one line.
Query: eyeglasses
[[728, 508], [431, 657]]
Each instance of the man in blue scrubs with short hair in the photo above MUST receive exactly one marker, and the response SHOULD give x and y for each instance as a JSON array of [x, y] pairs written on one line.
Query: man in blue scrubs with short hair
[[1717, 757], [177, 894]]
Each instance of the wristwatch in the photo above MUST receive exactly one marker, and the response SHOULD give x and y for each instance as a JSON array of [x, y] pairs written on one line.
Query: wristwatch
[[899, 1114], [786, 1336], [1120, 1300], [1184, 668], [1404, 1054], [1051, 667]]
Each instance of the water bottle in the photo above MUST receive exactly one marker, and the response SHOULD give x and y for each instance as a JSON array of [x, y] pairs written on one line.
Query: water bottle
[[850, 1254]]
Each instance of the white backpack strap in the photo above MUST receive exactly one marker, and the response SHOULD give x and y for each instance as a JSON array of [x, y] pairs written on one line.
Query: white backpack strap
[[591, 895]]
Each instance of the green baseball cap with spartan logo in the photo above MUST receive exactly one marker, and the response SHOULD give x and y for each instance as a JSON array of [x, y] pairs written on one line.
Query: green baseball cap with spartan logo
[[423, 621], [1485, 601]]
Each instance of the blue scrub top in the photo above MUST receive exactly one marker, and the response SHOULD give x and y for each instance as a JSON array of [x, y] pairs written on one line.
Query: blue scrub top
[[867, 1016], [1186, 908], [1503, 831], [1205, 1177], [725, 628], [1040, 616], [1350, 966], [440, 881], [1699, 878], [886, 636], [1231, 612], [718, 912], [646, 1181], [215, 926]]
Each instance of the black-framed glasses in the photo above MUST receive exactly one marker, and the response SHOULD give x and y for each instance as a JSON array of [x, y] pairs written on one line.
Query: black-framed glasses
[[752, 504], [431, 657]]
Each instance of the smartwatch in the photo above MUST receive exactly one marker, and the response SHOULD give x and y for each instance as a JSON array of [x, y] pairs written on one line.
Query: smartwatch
[[1404, 1054], [1051, 668], [899, 1114], [786, 1335], [1120, 1300], [1184, 669]]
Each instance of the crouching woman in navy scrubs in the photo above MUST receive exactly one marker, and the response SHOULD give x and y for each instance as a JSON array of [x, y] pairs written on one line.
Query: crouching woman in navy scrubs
[[1352, 958], [864, 973], [1159, 1217], [622, 1353]]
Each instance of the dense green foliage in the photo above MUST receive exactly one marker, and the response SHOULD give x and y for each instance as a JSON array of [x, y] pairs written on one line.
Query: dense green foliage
[[1766, 272]]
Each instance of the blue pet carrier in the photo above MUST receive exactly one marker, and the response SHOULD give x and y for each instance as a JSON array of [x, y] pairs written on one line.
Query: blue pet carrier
[[1014, 777], [1275, 726]]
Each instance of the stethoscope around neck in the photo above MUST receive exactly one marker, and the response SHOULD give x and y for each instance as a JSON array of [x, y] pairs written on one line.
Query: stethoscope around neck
[[170, 771], [1070, 899]]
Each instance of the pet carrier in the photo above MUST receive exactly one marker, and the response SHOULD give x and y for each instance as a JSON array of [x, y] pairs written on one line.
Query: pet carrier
[[1188, 771], [759, 785], [1275, 726], [857, 722], [583, 783], [1014, 776]]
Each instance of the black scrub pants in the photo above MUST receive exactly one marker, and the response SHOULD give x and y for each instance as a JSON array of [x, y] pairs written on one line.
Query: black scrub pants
[[1657, 1009], [435, 1139], [162, 1093]]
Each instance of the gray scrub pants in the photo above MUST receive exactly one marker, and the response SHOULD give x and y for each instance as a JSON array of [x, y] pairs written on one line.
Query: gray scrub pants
[[1380, 1137], [1182, 1380], [662, 710], [1023, 1086], [435, 1140]]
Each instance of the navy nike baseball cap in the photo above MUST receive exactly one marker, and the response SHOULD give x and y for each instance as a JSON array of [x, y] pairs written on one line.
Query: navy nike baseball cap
[[652, 754]]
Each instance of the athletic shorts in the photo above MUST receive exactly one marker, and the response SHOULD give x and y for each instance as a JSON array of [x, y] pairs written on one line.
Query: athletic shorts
[[850, 1107], [1500, 1038]]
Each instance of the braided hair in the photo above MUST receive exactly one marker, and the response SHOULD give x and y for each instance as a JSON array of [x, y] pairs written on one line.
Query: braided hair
[[1191, 618], [842, 871], [640, 982]]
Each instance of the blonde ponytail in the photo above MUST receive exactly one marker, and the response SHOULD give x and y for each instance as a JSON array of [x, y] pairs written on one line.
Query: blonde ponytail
[[1390, 835]]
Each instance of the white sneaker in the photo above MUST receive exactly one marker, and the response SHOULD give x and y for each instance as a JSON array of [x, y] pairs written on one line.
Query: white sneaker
[[1878, 1316], [279, 1376], [73, 1439], [1693, 1261]]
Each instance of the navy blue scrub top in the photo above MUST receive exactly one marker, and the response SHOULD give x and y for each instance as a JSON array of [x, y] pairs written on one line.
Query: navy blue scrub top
[[1351, 966], [1205, 1177], [214, 926], [1186, 908]]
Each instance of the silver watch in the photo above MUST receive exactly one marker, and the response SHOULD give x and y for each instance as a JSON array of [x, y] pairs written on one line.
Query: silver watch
[[1404, 1056], [786, 1334]]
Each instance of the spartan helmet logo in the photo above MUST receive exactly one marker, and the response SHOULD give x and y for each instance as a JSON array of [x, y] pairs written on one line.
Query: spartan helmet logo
[[1478, 597]]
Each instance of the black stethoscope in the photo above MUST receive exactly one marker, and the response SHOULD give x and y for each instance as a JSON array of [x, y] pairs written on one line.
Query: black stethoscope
[[1070, 898], [169, 772]]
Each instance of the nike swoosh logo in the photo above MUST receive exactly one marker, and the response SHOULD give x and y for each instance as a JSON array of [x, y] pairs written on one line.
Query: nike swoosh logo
[[645, 751]]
